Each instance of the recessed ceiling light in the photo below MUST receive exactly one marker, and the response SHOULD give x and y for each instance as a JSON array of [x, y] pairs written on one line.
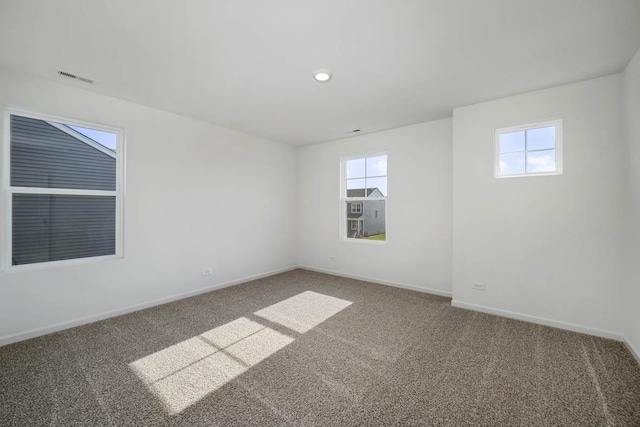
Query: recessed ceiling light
[[322, 75]]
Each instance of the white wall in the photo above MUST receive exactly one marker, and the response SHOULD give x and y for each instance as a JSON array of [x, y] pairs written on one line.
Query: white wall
[[197, 196], [631, 281], [547, 247], [418, 250]]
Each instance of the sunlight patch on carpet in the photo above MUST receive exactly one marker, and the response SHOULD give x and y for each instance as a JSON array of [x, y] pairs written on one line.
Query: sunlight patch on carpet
[[303, 311], [184, 373]]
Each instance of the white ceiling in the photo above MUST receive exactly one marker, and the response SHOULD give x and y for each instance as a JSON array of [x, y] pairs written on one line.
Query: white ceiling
[[247, 64]]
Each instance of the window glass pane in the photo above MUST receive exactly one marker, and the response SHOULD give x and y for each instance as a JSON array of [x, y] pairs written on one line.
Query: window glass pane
[[541, 161], [355, 168], [369, 223], [541, 138], [355, 187], [58, 227], [512, 164], [377, 166], [379, 184], [511, 142], [106, 139], [53, 155]]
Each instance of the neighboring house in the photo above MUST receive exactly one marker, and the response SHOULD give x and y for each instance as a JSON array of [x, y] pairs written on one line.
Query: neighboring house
[[365, 217], [52, 155]]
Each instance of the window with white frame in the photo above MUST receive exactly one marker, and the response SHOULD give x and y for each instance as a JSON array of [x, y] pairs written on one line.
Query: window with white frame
[[62, 183], [534, 149], [364, 197]]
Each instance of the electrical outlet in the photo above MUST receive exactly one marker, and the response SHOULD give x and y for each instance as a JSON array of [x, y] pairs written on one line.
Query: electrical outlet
[[207, 271], [332, 259], [478, 286]]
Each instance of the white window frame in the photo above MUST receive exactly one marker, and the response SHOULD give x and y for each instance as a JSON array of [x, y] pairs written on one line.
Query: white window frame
[[558, 149], [357, 206], [6, 198], [344, 200]]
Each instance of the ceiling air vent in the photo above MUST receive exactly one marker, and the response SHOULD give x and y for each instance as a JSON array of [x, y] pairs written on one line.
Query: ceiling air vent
[[76, 77]]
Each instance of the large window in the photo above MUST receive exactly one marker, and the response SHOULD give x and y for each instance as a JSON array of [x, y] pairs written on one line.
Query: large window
[[62, 186], [529, 150], [364, 198]]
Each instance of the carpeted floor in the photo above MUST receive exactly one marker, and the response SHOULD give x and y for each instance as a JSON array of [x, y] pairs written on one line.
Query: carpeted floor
[[304, 348]]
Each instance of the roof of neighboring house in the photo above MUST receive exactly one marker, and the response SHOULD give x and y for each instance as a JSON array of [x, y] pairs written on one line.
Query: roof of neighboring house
[[80, 137], [359, 192]]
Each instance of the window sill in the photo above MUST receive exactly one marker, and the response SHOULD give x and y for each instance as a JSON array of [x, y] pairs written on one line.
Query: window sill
[[524, 175], [364, 241], [56, 264]]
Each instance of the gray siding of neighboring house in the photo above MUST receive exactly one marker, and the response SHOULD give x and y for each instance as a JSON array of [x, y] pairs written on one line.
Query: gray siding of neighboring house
[[373, 225], [57, 227], [370, 224], [44, 156], [53, 228]]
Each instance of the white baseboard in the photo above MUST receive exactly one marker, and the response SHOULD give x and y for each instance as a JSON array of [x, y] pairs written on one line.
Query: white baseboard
[[540, 320], [21, 336], [632, 349], [378, 281]]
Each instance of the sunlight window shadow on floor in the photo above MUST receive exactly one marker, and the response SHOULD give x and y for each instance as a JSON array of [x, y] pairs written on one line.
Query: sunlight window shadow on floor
[[184, 373], [304, 311]]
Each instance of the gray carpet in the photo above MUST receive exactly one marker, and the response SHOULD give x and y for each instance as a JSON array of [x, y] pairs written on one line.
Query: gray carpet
[[304, 348]]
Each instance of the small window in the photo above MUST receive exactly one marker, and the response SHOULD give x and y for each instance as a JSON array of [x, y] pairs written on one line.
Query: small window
[[64, 190], [364, 198], [529, 150]]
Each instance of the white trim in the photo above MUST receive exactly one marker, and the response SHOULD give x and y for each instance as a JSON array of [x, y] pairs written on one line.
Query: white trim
[[7, 191], [61, 191], [558, 148], [362, 199], [540, 320], [32, 333], [634, 351], [425, 290], [48, 117], [364, 241], [5, 199], [36, 332], [60, 263], [77, 135]]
